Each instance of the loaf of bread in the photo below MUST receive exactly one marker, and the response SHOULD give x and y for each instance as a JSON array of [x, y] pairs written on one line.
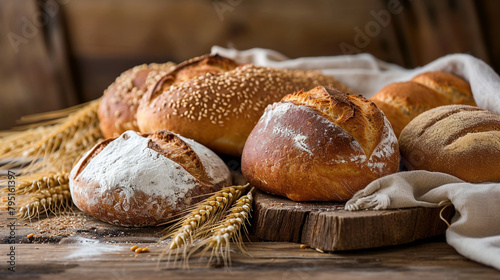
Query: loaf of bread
[[460, 140], [320, 145], [216, 102], [144, 180], [403, 101], [118, 105]]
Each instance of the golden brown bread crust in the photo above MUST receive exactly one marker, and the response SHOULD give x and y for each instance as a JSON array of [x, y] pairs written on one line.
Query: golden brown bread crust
[[460, 140], [319, 145], [136, 205], [118, 105], [403, 101], [217, 103], [454, 89]]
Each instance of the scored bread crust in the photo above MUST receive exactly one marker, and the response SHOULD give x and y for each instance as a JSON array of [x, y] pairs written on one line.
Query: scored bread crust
[[320, 145], [216, 102], [168, 173], [403, 101], [460, 140], [118, 105]]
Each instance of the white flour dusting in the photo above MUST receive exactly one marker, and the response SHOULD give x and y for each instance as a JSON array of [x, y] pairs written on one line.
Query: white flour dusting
[[376, 161], [385, 149], [300, 141], [130, 165], [88, 249], [274, 112]]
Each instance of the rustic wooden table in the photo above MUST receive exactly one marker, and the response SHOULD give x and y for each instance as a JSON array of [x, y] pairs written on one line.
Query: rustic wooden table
[[80, 247]]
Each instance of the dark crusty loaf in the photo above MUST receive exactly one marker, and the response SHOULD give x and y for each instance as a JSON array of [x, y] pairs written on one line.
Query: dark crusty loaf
[[118, 105], [460, 140], [144, 180], [401, 102], [216, 102], [319, 145]]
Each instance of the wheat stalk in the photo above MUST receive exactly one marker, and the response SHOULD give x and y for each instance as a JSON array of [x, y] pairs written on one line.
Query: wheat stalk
[[203, 215], [216, 234], [41, 183], [47, 134], [53, 200], [57, 139], [50, 151], [229, 229]]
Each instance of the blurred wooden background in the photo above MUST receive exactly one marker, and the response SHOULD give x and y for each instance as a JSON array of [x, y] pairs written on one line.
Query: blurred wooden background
[[57, 53]]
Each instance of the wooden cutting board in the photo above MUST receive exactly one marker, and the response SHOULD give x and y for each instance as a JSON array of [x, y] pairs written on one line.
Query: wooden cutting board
[[328, 227]]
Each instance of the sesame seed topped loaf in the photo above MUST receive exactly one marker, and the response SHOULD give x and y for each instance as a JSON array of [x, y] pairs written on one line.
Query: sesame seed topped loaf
[[144, 180], [217, 102], [320, 145], [118, 105]]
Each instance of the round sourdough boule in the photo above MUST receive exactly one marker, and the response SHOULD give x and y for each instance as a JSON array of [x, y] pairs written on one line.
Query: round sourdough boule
[[321, 145], [144, 180], [403, 101], [460, 140], [118, 105], [216, 102]]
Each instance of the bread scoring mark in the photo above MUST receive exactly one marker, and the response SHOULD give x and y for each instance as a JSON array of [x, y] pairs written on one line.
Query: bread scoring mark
[[217, 170], [172, 146], [355, 114], [440, 115], [449, 86], [386, 148]]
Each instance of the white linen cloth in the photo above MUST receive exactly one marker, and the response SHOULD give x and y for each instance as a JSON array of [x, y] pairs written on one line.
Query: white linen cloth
[[475, 227]]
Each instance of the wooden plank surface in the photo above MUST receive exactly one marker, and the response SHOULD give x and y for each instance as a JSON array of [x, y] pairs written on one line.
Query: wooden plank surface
[[90, 249], [327, 226], [271, 260]]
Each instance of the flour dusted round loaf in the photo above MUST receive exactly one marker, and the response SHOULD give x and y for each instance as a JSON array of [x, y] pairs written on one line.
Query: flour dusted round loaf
[[321, 145], [403, 101], [118, 106], [144, 180], [216, 102], [460, 140]]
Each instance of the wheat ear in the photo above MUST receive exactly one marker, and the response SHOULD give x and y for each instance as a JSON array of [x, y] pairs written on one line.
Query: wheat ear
[[203, 213], [50, 151], [54, 142], [41, 183], [53, 200], [228, 229]]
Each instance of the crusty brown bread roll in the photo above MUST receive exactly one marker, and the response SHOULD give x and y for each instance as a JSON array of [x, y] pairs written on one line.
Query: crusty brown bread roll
[[144, 180], [216, 102], [403, 101], [460, 140], [118, 105], [321, 145]]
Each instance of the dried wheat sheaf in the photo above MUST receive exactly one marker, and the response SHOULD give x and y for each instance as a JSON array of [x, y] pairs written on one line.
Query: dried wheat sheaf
[[212, 225], [43, 152]]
